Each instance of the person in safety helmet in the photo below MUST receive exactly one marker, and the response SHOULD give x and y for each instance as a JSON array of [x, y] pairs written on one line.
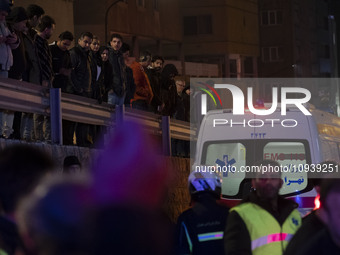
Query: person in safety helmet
[[200, 229]]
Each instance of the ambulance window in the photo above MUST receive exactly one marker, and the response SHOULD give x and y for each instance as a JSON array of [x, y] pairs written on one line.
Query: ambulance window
[[228, 157], [292, 157]]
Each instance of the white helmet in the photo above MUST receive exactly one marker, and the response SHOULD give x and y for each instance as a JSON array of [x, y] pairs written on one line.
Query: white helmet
[[205, 181]]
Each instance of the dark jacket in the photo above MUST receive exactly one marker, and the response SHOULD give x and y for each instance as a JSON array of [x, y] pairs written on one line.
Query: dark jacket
[[206, 216], [10, 240], [168, 89], [154, 76], [169, 97], [131, 86], [61, 59], [237, 239], [182, 108], [81, 73], [33, 69], [118, 70], [45, 58], [319, 244], [311, 225], [102, 85]]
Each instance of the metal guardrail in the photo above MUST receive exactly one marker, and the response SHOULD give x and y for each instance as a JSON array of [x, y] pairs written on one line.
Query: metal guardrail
[[26, 97]]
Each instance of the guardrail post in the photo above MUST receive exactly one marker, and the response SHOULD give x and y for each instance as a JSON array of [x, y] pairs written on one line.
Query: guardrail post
[[197, 106], [166, 138], [56, 116], [120, 111]]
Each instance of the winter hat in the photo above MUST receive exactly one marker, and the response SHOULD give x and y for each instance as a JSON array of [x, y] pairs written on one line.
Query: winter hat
[[4, 6], [128, 171], [71, 160], [17, 14]]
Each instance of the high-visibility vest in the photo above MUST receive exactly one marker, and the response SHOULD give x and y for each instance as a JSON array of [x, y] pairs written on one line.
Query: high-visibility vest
[[2, 252], [266, 234]]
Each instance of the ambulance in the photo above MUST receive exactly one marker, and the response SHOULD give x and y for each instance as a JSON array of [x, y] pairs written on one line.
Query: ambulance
[[233, 143]]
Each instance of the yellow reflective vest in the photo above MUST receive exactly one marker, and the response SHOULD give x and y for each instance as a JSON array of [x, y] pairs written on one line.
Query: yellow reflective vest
[[266, 234], [2, 252]]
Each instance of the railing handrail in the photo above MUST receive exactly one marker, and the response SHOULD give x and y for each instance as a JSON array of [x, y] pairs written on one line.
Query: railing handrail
[[27, 97]]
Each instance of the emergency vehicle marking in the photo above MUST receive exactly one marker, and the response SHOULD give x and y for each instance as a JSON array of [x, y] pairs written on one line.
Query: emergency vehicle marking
[[258, 135], [225, 163]]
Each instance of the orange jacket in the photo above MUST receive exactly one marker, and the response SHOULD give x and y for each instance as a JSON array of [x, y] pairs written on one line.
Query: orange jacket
[[143, 88]]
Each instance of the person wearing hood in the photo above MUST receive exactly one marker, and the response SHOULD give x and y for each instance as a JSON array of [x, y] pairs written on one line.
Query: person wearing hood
[[104, 76], [168, 89]]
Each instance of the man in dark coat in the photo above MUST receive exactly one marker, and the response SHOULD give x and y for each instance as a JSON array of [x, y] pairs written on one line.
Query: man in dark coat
[[154, 74], [117, 94], [82, 80]]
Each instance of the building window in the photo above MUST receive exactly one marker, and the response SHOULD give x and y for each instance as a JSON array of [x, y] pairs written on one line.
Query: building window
[[271, 18], [272, 54], [324, 51], [233, 68], [141, 3], [248, 67], [197, 25], [156, 5]]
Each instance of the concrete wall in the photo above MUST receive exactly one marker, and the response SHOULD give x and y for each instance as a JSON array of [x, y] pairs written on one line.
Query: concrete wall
[[177, 199]]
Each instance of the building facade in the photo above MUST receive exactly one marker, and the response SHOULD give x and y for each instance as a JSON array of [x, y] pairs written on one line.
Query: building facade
[[144, 24], [298, 39], [222, 32], [60, 10]]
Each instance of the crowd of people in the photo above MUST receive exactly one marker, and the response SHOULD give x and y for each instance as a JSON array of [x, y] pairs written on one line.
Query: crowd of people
[[263, 223], [91, 69], [117, 207]]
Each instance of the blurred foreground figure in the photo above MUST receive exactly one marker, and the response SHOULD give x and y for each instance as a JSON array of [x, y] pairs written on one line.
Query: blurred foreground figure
[[130, 183], [119, 212], [52, 220], [200, 229], [21, 168], [316, 221], [327, 241], [71, 165]]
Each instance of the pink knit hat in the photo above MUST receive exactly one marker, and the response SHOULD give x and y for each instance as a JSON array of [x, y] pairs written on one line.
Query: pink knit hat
[[129, 171]]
